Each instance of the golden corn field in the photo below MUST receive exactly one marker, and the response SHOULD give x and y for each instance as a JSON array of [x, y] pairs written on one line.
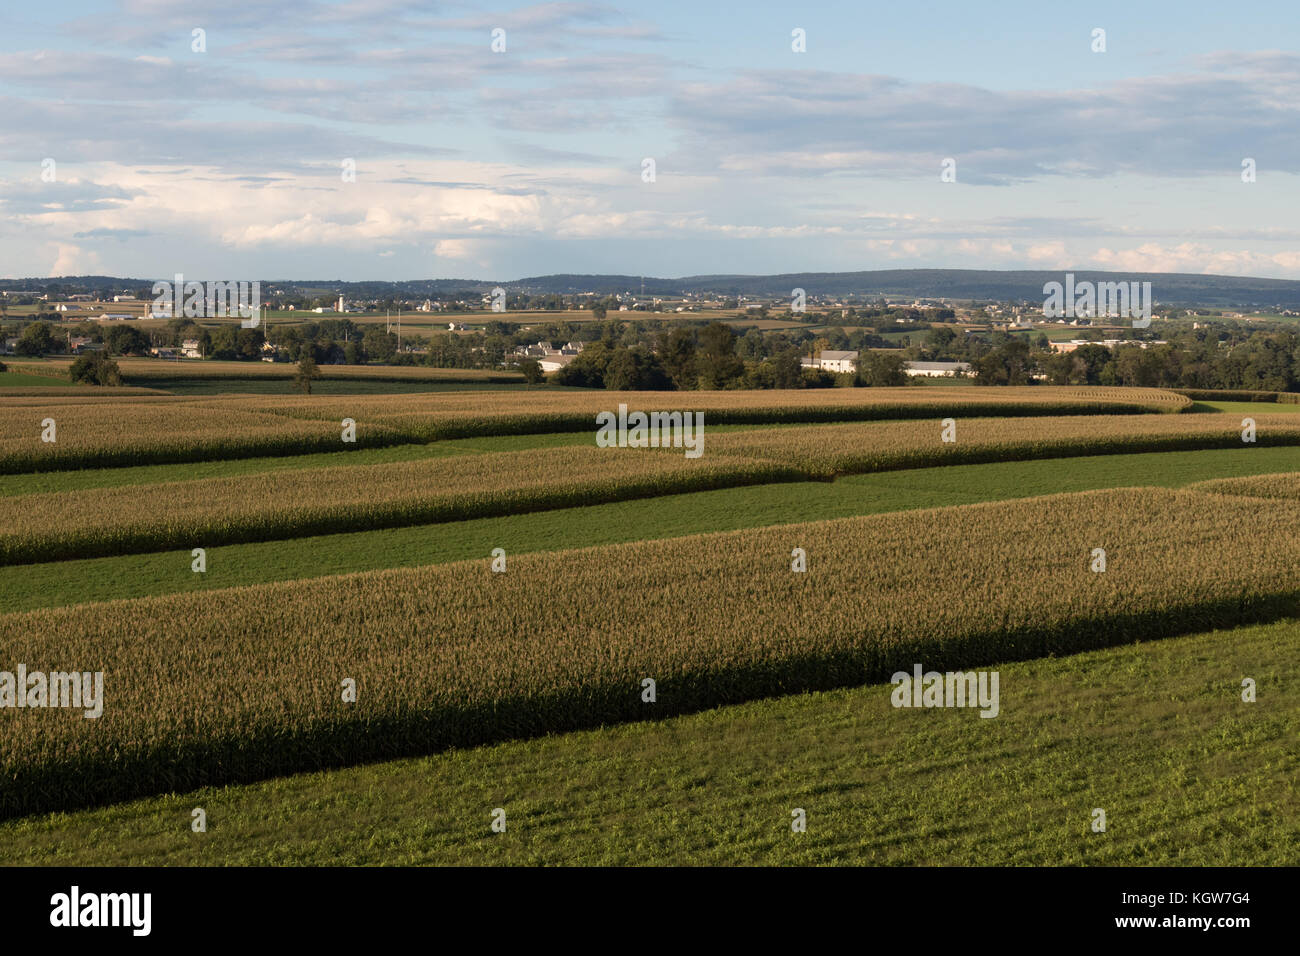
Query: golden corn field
[[93, 431], [258, 507], [208, 512], [102, 435], [1258, 486], [245, 683], [461, 414], [825, 450]]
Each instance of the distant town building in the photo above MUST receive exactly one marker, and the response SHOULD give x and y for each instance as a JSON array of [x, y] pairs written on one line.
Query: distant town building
[[1073, 344]]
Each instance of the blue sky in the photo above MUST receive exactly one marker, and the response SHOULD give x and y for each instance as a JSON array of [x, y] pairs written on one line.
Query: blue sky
[[478, 164]]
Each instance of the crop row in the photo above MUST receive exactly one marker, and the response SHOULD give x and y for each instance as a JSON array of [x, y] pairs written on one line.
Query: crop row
[[145, 431], [246, 683], [97, 522], [465, 415], [153, 430], [827, 450], [285, 504], [1285, 486]]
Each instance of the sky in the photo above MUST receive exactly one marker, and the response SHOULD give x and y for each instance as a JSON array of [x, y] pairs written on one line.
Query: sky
[[389, 139]]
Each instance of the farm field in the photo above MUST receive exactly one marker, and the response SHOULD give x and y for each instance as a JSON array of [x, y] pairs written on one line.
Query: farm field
[[1244, 408], [374, 564], [294, 502], [93, 433], [880, 786], [24, 587], [198, 377], [454, 655]]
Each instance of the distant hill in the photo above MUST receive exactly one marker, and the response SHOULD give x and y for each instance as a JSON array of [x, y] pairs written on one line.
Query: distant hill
[[1166, 288], [982, 284]]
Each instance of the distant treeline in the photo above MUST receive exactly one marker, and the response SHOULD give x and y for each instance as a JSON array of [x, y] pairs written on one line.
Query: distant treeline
[[622, 353]]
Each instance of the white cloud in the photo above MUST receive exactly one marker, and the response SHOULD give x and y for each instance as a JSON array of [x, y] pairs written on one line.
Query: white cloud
[[73, 260]]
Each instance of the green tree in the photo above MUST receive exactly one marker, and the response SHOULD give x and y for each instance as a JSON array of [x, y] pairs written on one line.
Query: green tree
[[676, 351], [787, 369], [881, 369], [126, 340], [380, 346], [718, 364], [307, 371], [636, 368], [1008, 364], [587, 370], [35, 340], [222, 344], [532, 370], [95, 368]]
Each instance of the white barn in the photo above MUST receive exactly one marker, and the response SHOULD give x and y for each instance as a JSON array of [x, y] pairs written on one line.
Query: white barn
[[937, 369]]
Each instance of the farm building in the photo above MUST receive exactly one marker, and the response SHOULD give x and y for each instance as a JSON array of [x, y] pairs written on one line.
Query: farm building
[[1073, 344], [937, 369], [837, 361], [557, 361]]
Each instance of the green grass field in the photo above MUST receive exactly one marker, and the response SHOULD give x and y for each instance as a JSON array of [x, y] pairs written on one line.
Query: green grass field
[[1155, 734], [1245, 408], [24, 380]]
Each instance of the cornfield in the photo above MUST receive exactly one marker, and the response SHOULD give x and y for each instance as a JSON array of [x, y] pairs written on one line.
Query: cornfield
[[209, 512], [146, 430], [1256, 486], [95, 431], [260, 507], [826, 450], [245, 683]]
